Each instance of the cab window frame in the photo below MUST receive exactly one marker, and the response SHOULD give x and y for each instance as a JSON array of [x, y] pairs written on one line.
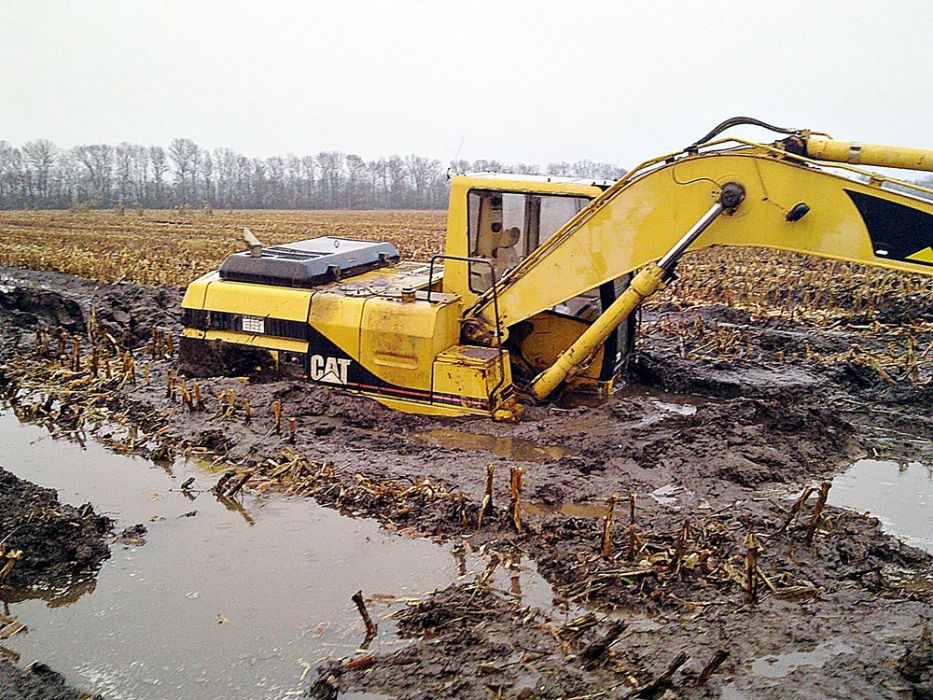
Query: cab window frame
[[531, 224]]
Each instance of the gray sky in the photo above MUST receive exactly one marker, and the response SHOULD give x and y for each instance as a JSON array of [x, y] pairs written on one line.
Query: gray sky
[[518, 81]]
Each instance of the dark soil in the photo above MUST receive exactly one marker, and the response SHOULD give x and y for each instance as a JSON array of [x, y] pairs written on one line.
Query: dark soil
[[712, 450], [60, 544], [55, 547], [37, 682]]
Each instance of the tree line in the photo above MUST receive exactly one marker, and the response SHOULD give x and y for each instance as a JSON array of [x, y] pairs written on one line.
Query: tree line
[[40, 175]]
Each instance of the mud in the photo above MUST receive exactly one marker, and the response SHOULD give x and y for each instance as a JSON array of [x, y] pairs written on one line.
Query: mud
[[474, 642], [38, 682], [711, 449], [54, 548], [59, 544]]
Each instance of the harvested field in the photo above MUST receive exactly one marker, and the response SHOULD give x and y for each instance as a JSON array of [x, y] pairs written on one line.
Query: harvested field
[[724, 570], [171, 247]]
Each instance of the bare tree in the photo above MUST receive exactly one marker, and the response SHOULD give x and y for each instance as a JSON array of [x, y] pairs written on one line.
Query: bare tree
[[159, 169], [355, 194], [98, 163], [207, 177], [40, 157], [40, 175], [422, 172], [331, 165], [185, 155]]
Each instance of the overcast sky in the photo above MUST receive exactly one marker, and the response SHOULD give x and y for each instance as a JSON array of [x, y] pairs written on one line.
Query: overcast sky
[[517, 81]]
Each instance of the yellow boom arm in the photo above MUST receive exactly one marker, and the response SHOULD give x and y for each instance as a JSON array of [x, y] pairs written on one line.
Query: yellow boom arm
[[790, 203]]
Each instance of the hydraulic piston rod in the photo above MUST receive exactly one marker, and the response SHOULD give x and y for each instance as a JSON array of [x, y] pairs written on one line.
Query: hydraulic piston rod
[[872, 154], [643, 285]]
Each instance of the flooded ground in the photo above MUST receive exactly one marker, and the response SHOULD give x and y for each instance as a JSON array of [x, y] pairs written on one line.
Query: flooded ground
[[222, 601], [510, 448], [702, 462], [900, 495]]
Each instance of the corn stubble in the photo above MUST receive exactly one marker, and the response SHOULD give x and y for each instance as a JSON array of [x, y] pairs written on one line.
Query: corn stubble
[[173, 247]]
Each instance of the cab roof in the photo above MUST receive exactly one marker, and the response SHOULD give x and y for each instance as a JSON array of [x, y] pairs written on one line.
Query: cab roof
[[545, 184]]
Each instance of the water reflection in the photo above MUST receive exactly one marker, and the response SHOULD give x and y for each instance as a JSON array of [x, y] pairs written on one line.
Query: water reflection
[[234, 601], [899, 495], [507, 447]]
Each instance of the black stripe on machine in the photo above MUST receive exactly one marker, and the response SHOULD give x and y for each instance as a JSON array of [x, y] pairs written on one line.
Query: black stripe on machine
[[204, 320], [897, 232]]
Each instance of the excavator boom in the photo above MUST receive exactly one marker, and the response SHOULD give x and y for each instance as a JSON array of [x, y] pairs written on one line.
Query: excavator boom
[[791, 202]]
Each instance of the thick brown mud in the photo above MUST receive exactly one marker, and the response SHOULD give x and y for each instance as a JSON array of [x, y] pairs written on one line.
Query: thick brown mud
[[706, 467], [37, 682], [47, 548], [52, 545]]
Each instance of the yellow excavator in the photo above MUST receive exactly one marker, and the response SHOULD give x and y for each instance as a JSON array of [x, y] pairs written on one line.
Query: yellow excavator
[[541, 275]]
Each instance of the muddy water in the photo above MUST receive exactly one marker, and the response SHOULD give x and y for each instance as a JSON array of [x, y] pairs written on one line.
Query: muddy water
[[507, 447], [899, 495], [221, 601]]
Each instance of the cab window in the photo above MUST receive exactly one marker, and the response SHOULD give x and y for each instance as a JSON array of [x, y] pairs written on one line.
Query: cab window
[[505, 227]]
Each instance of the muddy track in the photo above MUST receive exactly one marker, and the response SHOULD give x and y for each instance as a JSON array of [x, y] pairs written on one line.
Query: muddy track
[[711, 452]]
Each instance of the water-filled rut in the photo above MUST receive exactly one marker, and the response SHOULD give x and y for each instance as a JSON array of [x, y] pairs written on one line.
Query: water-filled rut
[[221, 601]]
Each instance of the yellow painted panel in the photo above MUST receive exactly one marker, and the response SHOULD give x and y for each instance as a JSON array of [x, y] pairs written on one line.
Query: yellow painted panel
[[427, 409], [196, 291], [338, 318], [925, 255], [471, 374], [400, 340], [260, 300]]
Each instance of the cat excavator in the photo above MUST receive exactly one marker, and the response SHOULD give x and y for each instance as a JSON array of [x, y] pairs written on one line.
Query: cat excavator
[[540, 277]]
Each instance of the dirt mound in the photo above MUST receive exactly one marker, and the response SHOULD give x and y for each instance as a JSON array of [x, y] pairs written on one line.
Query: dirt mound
[[670, 372], [468, 632], [59, 543], [743, 441], [355, 411], [669, 564], [37, 682], [868, 383], [129, 312], [199, 358], [917, 666], [30, 308]]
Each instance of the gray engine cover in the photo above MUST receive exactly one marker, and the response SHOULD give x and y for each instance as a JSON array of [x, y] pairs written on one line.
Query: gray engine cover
[[309, 263]]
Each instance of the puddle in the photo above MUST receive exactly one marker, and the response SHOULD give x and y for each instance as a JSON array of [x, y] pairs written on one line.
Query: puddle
[[781, 665], [683, 404], [571, 510], [235, 601], [666, 495], [665, 403], [680, 409], [507, 447], [777, 666], [899, 495]]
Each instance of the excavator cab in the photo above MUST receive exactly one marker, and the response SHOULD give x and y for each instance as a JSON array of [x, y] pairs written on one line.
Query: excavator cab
[[504, 227]]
